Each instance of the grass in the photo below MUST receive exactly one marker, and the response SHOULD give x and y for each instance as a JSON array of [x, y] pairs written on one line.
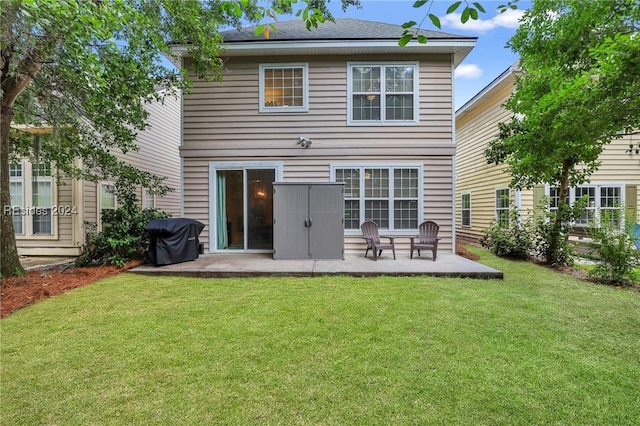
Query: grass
[[536, 348]]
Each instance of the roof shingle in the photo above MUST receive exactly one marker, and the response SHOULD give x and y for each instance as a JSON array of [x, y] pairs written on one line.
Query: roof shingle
[[341, 29]]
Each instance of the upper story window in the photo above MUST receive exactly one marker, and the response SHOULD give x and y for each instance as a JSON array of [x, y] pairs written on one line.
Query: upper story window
[[284, 87], [382, 93]]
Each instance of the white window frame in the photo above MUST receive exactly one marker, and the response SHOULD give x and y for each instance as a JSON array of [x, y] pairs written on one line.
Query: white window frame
[[462, 209], [21, 180], [391, 167], [99, 206], [143, 199], [498, 209], [621, 186], [305, 87], [383, 121], [28, 208]]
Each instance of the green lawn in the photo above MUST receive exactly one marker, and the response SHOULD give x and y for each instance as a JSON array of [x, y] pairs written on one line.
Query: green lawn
[[536, 348]]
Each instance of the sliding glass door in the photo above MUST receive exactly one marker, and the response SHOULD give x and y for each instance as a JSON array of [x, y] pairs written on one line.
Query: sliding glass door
[[244, 208]]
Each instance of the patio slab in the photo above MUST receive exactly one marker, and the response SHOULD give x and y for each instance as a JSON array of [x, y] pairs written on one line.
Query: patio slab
[[251, 265]]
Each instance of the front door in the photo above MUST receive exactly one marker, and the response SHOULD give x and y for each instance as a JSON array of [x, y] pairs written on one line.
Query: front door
[[244, 209]]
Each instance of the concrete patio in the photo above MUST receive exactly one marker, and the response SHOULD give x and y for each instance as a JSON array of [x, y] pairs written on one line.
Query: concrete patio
[[250, 265]]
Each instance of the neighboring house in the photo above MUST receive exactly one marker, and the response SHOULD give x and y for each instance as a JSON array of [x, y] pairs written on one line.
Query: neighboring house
[[56, 210], [341, 103], [482, 190]]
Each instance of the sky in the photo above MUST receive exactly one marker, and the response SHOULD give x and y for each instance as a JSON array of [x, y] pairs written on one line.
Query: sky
[[486, 61]]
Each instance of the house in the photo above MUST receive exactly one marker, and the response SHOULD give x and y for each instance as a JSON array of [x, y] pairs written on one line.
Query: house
[[340, 103], [482, 190], [55, 210]]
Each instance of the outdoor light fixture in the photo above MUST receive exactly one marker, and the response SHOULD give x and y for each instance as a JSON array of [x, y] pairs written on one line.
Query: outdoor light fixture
[[304, 142]]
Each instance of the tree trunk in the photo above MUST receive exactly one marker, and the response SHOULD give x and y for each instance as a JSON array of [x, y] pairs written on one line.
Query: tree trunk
[[555, 235], [9, 259]]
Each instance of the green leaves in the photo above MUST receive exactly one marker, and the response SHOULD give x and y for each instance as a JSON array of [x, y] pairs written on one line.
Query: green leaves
[[453, 7], [434, 20], [405, 39]]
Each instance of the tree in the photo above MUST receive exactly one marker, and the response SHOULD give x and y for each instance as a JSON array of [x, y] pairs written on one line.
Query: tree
[[579, 89], [86, 68]]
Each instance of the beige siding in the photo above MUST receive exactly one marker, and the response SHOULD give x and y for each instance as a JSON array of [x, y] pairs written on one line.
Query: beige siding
[[437, 184], [477, 126], [158, 150], [473, 174], [222, 123]]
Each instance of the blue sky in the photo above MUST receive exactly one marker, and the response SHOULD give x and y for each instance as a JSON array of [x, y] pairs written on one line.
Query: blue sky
[[486, 61]]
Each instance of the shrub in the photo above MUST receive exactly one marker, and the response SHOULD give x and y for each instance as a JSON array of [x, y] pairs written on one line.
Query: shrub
[[616, 253], [562, 254], [513, 240], [122, 237]]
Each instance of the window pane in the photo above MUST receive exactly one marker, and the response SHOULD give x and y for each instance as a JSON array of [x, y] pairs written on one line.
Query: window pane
[[42, 222], [466, 217], [107, 197], [148, 200], [589, 194], [399, 79], [42, 194], [378, 211], [366, 107], [609, 196], [41, 170], [15, 170], [502, 198], [17, 200], [366, 79], [376, 183], [283, 87], [466, 201], [352, 214], [351, 179], [406, 214], [399, 107], [405, 183]]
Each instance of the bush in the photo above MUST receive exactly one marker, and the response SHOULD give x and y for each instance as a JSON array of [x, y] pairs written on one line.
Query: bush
[[563, 253], [513, 240], [122, 237], [616, 253]]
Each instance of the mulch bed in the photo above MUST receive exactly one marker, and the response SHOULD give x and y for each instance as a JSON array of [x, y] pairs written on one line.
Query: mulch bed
[[34, 285]]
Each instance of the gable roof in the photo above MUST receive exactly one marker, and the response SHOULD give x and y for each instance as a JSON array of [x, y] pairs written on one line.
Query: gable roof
[[341, 29], [345, 36], [505, 79]]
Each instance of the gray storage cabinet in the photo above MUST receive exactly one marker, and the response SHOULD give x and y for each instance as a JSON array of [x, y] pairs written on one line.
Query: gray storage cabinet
[[308, 220]]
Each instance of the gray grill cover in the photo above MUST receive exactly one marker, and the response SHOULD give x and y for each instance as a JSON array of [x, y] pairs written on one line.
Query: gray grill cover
[[173, 240]]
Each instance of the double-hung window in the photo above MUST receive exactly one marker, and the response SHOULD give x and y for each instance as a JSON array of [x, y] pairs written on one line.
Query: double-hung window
[[603, 202], [33, 197], [503, 203], [284, 87], [466, 209], [389, 196], [107, 199], [383, 93], [16, 189], [148, 199], [42, 199]]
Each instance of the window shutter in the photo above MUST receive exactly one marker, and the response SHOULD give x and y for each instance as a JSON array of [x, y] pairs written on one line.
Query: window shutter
[[631, 202], [538, 197]]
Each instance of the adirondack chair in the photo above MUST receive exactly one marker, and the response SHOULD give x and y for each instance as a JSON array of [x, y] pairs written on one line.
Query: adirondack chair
[[427, 240], [370, 234]]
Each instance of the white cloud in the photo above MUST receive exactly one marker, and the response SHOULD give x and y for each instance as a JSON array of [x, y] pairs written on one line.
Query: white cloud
[[468, 71], [508, 19]]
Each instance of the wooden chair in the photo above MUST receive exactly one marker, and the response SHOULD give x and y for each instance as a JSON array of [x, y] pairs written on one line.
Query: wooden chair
[[370, 234], [427, 240]]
